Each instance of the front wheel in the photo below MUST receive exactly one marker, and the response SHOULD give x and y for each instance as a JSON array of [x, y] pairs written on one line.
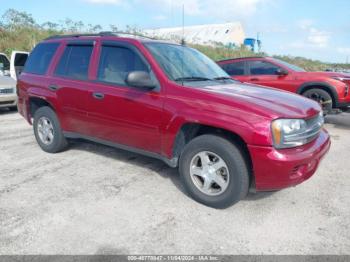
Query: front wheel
[[48, 131], [322, 97], [214, 171]]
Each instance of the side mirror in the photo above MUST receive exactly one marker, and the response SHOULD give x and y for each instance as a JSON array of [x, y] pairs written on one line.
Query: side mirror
[[140, 79], [281, 72]]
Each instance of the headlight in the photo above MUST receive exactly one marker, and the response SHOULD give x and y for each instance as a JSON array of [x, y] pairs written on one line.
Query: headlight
[[288, 133], [340, 78]]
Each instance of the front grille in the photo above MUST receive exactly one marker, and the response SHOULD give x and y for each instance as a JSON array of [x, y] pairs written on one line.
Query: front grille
[[7, 102], [7, 90]]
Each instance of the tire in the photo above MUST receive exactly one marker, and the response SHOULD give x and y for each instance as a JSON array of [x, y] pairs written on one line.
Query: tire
[[237, 178], [322, 97], [13, 108], [46, 119]]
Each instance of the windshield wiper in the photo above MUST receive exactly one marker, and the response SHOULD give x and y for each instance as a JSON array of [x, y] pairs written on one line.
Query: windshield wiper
[[193, 78], [222, 78]]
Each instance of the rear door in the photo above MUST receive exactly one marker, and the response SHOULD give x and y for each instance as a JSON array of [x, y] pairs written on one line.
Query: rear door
[[119, 113], [18, 60], [69, 82]]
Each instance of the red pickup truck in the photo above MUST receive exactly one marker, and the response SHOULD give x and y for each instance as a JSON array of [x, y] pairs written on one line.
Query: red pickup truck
[[329, 89], [173, 103]]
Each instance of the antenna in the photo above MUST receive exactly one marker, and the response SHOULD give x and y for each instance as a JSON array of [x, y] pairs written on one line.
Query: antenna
[[183, 42], [183, 24]]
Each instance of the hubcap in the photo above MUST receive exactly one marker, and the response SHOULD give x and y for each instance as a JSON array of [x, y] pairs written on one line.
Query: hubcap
[[320, 99], [45, 130], [209, 173]]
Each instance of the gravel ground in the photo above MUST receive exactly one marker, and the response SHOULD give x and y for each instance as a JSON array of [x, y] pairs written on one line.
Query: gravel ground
[[94, 199]]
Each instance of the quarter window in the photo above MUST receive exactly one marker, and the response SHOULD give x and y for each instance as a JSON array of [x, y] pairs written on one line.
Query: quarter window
[[40, 58], [262, 68], [116, 62], [74, 62]]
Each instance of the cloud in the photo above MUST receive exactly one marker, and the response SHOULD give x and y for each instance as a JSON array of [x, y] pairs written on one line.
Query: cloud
[[224, 9], [318, 37], [159, 17], [344, 50], [314, 37], [305, 24], [104, 2]]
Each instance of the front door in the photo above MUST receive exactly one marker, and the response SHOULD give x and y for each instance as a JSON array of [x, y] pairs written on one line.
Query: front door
[[18, 60], [120, 113], [266, 74]]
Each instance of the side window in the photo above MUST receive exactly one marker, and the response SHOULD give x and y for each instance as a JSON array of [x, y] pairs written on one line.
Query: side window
[[40, 58], [74, 62], [262, 68], [234, 69], [116, 62], [4, 62]]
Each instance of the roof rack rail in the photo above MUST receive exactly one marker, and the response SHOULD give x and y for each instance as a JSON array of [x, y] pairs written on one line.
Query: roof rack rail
[[105, 33], [236, 58]]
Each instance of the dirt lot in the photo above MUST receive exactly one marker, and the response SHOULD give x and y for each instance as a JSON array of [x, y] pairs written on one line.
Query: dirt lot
[[96, 199]]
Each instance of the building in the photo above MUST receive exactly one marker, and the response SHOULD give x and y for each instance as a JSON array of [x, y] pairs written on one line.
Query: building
[[228, 34]]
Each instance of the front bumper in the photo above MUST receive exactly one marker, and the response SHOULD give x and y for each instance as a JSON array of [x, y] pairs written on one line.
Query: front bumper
[[277, 169], [8, 100]]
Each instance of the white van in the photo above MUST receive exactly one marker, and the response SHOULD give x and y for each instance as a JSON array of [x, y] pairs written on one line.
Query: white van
[[15, 67], [9, 72]]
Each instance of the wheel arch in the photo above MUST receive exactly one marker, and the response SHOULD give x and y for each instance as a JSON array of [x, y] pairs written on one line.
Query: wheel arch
[[190, 130], [320, 85], [35, 102]]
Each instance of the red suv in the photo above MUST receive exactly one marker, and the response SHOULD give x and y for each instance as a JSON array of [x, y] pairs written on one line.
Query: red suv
[[330, 89], [171, 102]]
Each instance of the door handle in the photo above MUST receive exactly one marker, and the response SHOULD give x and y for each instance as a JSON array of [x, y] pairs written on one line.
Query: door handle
[[99, 96], [254, 79], [53, 87]]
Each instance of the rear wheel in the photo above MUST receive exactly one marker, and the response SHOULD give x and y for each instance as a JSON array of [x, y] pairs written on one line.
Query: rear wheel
[[214, 171], [48, 131], [322, 97], [13, 108]]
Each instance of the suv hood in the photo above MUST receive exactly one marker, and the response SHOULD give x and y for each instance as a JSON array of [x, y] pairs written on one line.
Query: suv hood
[[266, 101], [7, 81], [324, 74]]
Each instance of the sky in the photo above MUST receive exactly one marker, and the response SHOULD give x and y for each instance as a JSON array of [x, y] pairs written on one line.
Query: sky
[[317, 29]]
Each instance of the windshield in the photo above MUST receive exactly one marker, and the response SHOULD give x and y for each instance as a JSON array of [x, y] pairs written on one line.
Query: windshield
[[185, 64], [290, 66]]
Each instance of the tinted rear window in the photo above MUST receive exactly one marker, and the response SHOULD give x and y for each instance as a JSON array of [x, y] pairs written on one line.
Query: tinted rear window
[[74, 62], [40, 58], [20, 59]]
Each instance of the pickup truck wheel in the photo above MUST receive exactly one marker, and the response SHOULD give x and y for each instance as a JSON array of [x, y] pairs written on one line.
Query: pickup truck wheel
[[47, 131], [322, 97], [214, 171]]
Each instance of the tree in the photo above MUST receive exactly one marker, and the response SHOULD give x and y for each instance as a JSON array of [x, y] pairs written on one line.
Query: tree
[[114, 28], [94, 28], [13, 19]]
